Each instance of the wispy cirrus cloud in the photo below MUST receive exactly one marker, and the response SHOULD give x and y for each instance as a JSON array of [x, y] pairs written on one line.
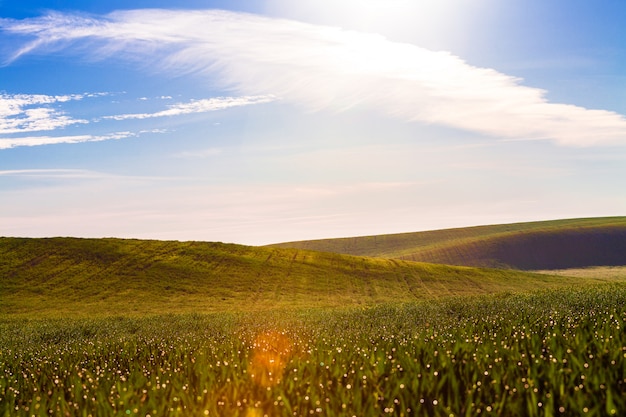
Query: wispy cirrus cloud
[[31, 113], [323, 68], [197, 106], [68, 174], [55, 173], [21, 113], [8, 143]]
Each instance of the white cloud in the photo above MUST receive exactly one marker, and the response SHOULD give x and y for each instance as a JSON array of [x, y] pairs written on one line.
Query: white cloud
[[21, 113], [67, 175], [197, 106], [323, 67], [56, 173], [8, 143], [27, 113]]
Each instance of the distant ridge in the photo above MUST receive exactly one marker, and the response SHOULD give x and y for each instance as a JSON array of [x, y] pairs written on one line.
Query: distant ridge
[[556, 244], [89, 277]]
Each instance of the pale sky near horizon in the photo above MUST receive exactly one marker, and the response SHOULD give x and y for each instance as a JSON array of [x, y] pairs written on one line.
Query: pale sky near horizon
[[258, 122]]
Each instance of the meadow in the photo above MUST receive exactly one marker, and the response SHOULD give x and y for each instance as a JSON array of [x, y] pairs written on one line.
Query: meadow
[[113, 327], [68, 277], [553, 244], [547, 353]]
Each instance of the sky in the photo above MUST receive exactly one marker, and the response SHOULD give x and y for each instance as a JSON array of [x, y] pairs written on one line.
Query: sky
[[258, 122]]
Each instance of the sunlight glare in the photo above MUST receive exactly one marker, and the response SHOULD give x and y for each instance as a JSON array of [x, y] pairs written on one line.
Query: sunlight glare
[[424, 22], [272, 351]]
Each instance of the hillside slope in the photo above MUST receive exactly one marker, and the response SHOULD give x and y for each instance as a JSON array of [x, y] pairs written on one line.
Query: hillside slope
[[559, 244], [69, 276]]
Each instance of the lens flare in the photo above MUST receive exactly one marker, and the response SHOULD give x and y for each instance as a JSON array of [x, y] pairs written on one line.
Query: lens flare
[[271, 353]]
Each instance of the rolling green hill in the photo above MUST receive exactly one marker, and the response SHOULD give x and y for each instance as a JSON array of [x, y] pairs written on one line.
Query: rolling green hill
[[558, 244], [87, 277]]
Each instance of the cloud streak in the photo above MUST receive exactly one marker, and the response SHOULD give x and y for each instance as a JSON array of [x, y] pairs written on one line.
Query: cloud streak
[[322, 68], [21, 113], [8, 143], [197, 106], [55, 173]]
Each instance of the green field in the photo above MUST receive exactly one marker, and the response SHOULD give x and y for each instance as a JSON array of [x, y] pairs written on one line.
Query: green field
[[543, 354], [112, 327], [617, 273], [94, 277], [556, 244]]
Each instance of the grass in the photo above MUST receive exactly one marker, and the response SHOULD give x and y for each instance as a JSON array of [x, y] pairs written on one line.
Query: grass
[[110, 327], [542, 354], [98, 277], [617, 273], [556, 244]]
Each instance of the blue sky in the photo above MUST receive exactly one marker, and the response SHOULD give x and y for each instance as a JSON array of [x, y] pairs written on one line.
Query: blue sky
[[266, 121]]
